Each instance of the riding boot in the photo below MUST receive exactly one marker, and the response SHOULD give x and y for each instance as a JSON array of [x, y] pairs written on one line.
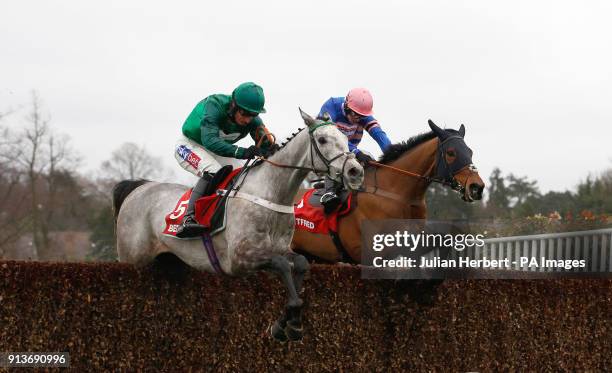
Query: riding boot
[[330, 199], [189, 226]]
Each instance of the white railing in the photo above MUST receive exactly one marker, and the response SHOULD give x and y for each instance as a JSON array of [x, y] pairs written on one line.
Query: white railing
[[594, 246]]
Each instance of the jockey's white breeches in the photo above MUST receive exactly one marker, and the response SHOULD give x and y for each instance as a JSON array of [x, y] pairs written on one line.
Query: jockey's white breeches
[[197, 160]]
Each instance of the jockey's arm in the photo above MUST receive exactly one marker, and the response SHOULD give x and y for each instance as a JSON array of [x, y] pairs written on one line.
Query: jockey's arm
[[211, 141], [378, 134], [260, 131], [328, 107]]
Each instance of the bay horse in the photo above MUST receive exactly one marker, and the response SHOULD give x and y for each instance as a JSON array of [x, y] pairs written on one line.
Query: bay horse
[[259, 218], [395, 189]]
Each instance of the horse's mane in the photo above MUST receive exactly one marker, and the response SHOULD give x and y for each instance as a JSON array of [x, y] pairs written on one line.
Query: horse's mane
[[290, 138], [293, 135], [395, 151]]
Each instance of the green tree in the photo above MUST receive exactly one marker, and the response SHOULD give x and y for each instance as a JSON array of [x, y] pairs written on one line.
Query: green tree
[[521, 190], [498, 202], [562, 202], [595, 193], [102, 226], [444, 203]]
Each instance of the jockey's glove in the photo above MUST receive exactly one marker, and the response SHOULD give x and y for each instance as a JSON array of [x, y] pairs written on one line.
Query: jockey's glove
[[251, 152], [363, 157], [271, 150]]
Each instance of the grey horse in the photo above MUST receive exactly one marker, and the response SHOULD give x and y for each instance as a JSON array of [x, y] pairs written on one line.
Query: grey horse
[[259, 221]]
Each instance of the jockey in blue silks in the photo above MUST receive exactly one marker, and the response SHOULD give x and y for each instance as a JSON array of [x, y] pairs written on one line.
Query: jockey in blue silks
[[352, 115]]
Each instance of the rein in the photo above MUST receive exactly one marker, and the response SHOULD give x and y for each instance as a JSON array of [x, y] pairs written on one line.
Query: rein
[[313, 146], [267, 135], [284, 165], [233, 190], [453, 184], [428, 179], [399, 170]]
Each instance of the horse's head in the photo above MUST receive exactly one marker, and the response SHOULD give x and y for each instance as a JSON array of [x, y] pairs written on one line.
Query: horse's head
[[329, 153], [454, 163]]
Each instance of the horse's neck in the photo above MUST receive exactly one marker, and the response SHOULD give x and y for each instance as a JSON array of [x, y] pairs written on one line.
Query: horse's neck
[[277, 184], [419, 160]]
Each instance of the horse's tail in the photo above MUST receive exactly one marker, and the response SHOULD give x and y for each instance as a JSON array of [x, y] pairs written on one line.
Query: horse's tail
[[121, 190]]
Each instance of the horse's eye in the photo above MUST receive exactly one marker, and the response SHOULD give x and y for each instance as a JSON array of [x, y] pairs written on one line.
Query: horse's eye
[[451, 153], [322, 140]]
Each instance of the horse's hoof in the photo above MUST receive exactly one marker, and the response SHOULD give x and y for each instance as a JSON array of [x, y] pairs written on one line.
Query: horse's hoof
[[278, 332], [293, 332]]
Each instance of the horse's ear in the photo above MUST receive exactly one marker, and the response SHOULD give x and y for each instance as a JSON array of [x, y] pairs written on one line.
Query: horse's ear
[[462, 130], [437, 130], [307, 118]]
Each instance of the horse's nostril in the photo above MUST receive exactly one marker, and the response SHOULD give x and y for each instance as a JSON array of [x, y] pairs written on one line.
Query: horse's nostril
[[476, 191], [353, 171]]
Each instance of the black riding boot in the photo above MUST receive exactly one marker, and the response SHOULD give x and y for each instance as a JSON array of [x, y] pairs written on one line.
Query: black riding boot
[[190, 227], [330, 199]]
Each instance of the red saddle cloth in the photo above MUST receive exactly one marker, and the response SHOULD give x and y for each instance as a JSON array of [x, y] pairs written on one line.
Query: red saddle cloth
[[312, 218], [205, 207]]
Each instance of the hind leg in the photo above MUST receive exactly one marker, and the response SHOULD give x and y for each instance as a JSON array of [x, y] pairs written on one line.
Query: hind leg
[[134, 243], [138, 256]]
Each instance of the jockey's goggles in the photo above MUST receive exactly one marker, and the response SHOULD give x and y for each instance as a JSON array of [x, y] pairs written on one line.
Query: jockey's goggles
[[246, 113], [350, 111]]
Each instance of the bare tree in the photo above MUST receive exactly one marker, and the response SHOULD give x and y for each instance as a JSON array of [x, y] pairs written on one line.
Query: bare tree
[[6, 113], [14, 216], [39, 154], [131, 161], [6, 139]]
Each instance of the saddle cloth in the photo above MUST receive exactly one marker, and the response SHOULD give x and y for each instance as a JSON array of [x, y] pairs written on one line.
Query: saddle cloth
[[209, 212], [309, 215]]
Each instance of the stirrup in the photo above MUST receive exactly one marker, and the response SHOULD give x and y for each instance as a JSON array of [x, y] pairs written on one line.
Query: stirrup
[[318, 185], [328, 198], [190, 228], [331, 203]]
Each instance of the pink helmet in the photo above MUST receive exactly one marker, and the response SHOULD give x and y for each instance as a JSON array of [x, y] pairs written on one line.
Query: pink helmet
[[360, 101]]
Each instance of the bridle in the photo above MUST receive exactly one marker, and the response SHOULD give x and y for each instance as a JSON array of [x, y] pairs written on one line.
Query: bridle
[[447, 178], [234, 188], [314, 149]]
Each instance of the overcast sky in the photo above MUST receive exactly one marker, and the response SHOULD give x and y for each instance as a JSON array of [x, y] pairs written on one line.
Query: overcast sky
[[531, 80]]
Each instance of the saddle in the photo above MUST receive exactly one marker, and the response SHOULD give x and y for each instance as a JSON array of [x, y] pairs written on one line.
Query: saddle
[[309, 214], [319, 189], [310, 217], [210, 209]]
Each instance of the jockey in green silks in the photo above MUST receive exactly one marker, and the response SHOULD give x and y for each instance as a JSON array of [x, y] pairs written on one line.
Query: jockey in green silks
[[209, 134]]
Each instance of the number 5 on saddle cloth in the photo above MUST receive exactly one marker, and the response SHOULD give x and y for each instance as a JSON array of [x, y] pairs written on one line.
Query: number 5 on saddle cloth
[[210, 209]]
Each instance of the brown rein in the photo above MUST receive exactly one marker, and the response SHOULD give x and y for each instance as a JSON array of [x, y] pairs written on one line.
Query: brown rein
[[272, 140], [284, 165], [267, 134], [399, 170], [453, 185]]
